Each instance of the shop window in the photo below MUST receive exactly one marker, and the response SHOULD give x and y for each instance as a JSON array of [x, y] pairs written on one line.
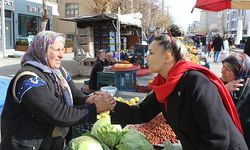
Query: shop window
[[8, 14], [27, 25], [70, 37], [71, 9]]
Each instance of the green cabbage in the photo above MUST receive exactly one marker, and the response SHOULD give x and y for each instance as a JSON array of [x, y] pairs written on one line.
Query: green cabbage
[[134, 140], [100, 123], [84, 143], [107, 133]]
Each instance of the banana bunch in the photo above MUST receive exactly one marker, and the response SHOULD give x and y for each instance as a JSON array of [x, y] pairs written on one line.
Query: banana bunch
[[194, 58], [103, 115], [131, 102]]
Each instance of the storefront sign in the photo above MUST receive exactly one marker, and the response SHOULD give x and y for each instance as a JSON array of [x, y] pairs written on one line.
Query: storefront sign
[[34, 9], [7, 2]]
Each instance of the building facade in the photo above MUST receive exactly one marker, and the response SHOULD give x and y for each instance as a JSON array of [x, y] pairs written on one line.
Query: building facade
[[71, 8], [22, 19], [232, 17], [225, 22]]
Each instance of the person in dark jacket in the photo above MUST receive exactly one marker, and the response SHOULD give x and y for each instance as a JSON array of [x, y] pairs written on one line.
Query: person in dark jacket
[[201, 120], [217, 46], [102, 59], [41, 102], [235, 74]]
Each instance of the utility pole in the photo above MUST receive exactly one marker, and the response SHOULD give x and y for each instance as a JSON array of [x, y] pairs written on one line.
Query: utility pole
[[44, 18], [163, 6], [3, 29]]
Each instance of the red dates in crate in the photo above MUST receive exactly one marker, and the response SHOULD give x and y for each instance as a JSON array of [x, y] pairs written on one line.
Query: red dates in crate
[[157, 131]]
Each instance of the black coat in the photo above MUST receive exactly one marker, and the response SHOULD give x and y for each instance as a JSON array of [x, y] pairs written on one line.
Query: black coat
[[98, 67], [242, 102], [218, 44], [29, 124], [195, 112]]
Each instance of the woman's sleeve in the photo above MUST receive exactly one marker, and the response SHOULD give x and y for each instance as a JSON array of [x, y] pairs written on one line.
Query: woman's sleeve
[[210, 115], [144, 112], [40, 102]]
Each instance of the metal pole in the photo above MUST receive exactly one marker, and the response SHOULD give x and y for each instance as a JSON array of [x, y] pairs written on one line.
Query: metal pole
[[119, 38], [3, 29]]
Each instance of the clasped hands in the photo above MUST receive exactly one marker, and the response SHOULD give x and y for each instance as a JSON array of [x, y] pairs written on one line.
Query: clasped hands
[[102, 100]]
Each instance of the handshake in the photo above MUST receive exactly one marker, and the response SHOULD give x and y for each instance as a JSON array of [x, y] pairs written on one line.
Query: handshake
[[102, 100]]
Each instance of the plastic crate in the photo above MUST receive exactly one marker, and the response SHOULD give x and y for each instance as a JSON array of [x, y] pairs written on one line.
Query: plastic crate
[[78, 130], [126, 80], [105, 78]]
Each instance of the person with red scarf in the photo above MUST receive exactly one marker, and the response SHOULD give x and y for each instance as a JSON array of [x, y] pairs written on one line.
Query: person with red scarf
[[193, 100]]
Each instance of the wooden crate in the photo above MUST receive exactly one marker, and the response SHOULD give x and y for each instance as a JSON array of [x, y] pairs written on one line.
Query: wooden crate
[[21, 48]]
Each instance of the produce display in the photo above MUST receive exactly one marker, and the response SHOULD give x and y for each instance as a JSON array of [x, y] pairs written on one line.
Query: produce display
[[157, 131], [105, 136], [85, 143], [194, 58], [131, 102]]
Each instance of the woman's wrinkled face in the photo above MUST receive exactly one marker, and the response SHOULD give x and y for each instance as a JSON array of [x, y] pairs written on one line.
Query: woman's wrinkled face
[[55, 55], [227, 74], [156, 57]]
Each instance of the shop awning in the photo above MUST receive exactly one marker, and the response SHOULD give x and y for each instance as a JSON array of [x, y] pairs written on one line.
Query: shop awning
[[219, 5], [127, 19]]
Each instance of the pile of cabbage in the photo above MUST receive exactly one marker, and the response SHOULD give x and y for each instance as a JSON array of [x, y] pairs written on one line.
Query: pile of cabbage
[[105, 136]]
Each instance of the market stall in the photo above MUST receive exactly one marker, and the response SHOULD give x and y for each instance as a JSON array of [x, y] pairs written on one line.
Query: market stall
[[112, 32]]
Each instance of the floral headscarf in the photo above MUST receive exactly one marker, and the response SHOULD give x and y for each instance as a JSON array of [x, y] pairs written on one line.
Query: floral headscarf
[[37, 56], [37, 51], [239, 63]]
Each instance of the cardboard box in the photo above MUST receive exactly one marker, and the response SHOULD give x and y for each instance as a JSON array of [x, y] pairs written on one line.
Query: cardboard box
[[88, 47], [85, 31]]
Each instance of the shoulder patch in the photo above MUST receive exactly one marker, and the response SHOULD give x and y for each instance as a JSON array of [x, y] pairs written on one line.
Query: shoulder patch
[[27, 85], [68, 77]]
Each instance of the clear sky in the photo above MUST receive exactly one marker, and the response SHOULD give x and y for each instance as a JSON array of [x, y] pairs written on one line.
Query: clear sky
[[180, 10]]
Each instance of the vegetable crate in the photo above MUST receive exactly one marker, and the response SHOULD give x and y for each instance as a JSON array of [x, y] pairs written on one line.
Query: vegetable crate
[[80, 129], [123, 80], [105, 78], [126, 80]]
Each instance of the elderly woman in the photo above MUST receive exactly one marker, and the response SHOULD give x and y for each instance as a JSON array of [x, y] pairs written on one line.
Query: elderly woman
[[41, 98], [200, 120], [235, 74]]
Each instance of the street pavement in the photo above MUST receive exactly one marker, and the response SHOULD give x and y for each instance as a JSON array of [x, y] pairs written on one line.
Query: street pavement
[[9, 66]]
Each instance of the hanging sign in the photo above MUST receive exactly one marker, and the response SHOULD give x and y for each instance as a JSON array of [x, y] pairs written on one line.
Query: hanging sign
[[7, 2], [34, 9]]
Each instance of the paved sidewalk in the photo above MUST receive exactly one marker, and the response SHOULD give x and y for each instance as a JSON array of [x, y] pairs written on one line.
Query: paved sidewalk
[[9, 66]]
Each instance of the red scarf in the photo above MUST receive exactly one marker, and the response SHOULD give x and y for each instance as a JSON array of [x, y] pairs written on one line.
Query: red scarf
[[163, 88]]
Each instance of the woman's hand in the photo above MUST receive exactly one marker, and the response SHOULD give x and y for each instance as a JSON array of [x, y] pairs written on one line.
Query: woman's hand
[[91, 99], [234, 85], [104, 102]]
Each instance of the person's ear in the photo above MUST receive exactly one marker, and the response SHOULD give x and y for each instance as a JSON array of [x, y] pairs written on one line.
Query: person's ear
[[168, 57]]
